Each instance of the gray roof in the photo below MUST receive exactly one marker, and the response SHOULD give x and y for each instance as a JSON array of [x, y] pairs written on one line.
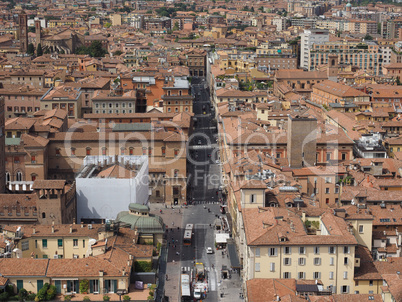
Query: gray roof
[[144, 224], [138, 207], [132, 127]]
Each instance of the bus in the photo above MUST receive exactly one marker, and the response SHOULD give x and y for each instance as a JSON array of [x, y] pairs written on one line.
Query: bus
[[188, 234], [185, 288]]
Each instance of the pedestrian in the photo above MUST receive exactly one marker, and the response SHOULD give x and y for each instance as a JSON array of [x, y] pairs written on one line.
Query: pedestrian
[[167, 277]]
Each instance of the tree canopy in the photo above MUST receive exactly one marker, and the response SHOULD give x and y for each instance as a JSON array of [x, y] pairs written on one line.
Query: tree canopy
[[94, 50]]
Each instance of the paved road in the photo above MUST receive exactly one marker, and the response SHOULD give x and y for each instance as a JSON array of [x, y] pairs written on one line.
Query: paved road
[[203, 153], [203, 173]]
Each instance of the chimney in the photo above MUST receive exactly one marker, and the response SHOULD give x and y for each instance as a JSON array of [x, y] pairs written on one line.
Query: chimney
[[71, 228], [128, 263], [73, 220], [33, 230], [52, 222], [52, 229], [82, 224], [124, 272]]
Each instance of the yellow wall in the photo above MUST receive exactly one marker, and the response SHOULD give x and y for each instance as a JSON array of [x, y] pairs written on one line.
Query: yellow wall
[[258, 198], [29, 283], [338, 268], [364, 287], [364, 237], [66, 251]]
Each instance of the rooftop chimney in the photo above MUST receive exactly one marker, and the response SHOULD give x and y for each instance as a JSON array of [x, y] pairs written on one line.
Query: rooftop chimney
[[52, 229], [71, 228], [73, 220], [33, 230], [82, 224]]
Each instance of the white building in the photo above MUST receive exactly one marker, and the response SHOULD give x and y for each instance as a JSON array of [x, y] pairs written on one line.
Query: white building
[[108, 184], [280, 23], [308, 38]]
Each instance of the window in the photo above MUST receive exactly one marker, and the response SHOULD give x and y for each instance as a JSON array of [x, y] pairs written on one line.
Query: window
[[257, 267], [163, 151], [346, 261], [25, 245], [346, 250], [252, 198], [331, 250], [371, 282], [272, 267], [83, 242], [176, 152], [345, 289], [75, 242], [286, 275], [316, 275], [59, 242], [103, 151], [88, 151], [316, 250], [302, 275], [345, 275], [57, 152], [361, 229], [327, 180], [302, 261], [328, 156], [326, 190], [144, 151], [302, 250], [317, 261], [43, 215], [73, 151], [257, 252], [288, 250], [331, 275], [33, 159], [44, 243], [272, 251], [150, 151], [287, 261], [331, 261]]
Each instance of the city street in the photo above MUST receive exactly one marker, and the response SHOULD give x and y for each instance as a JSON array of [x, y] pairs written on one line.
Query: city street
[[203, 211]]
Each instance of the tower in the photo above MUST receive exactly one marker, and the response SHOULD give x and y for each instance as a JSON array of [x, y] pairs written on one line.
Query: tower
[[2, 148], [302, 141], [332, 70], [38, 32], [23, 31]]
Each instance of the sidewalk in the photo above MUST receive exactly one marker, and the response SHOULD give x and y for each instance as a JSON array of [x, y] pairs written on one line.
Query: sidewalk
[[170, 264]]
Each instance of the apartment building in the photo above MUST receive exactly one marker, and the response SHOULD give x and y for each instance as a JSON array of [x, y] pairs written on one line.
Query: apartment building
[[308, 38], [278, 244], [105, 102], [322, 181], [367, 56], [63, 97], [177, 97]]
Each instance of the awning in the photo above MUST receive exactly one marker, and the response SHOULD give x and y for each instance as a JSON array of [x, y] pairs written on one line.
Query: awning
[[234, 258], [221, 238], [66, 279]]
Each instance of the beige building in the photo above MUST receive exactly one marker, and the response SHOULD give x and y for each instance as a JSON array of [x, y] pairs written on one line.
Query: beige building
[[280, 244]]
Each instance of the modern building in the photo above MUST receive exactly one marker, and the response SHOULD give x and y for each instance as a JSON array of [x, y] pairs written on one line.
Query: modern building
[[370, 146], [108, 184], [308, 38]]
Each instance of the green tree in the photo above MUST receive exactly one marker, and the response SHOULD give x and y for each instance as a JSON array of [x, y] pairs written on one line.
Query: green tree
[[107, 24], [39, 51], [398, 81], [31, 49], [176, 26], [117, 53], [31, 29], [368, 37], [93, 9], [379, 28], [261, 8]]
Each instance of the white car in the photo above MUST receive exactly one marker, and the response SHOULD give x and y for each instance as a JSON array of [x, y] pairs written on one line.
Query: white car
[[210, 250], [218, 161]]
